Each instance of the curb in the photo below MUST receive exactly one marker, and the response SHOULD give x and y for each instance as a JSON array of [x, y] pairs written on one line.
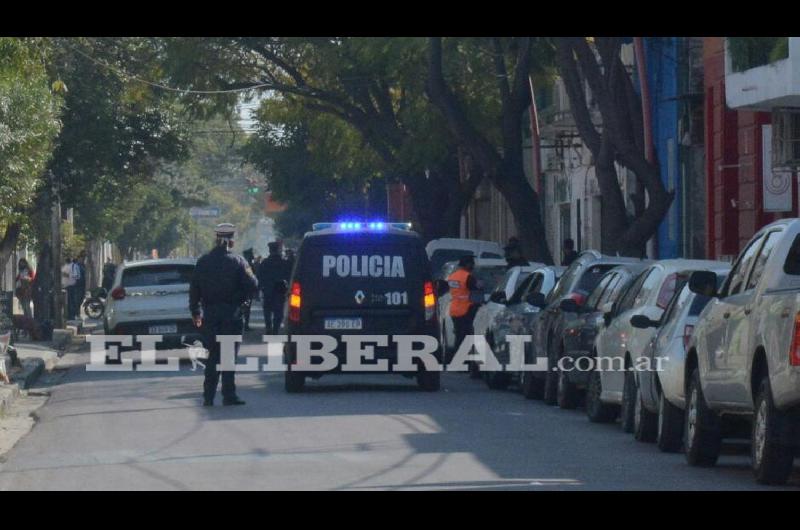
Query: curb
[[8, 393]]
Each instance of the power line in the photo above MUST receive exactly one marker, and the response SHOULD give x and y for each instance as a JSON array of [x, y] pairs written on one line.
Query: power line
[[126, 75]]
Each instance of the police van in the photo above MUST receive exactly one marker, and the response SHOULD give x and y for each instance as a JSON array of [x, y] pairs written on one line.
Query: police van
[[361, 278]]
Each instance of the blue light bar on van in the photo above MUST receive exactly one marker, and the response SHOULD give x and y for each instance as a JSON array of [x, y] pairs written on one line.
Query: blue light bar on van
[[359, 226]]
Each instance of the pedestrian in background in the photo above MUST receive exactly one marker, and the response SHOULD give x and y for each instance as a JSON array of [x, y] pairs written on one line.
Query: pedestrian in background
[[221, 283], [250, 258], [80, 284], [109, 272], [68, 280], [273, 278], [23, 286], [569, 252], [513, 253]]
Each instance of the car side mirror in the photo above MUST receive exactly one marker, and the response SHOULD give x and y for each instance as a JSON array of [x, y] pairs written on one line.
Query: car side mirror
[[607, 318], [536, 299], [442, 288], [643, 322], [704, 283], [569, 305], [498, 297]]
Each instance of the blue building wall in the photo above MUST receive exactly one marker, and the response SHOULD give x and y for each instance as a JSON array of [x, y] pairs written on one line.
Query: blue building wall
[[662, 73]]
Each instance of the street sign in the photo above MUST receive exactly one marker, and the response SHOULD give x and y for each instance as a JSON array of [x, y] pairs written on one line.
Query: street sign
[[204, 212]]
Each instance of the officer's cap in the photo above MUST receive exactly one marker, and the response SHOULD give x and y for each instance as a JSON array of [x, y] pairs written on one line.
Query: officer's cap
[[225, 230]]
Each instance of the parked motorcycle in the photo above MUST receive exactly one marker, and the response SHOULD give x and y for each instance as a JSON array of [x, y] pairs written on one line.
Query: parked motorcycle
[[95, 304]]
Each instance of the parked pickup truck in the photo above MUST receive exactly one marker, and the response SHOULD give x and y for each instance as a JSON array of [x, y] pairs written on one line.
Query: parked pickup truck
[[743, 361]]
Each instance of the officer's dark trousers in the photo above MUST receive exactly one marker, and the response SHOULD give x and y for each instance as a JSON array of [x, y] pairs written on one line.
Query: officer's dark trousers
[[222, 321], [273, 312], [462, 326]]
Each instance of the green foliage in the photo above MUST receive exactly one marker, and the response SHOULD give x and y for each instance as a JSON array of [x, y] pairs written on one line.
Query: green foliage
[[28, 123], [749, 52], [116, 131], [315, 163]]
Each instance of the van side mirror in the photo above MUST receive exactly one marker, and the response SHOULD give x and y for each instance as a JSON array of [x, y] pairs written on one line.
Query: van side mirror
[[442, 287], [642, 322], [704, 283], [536, 299]]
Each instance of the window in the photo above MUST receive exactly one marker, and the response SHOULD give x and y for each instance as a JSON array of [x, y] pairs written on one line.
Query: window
[[610, 293], [157, 275], [648, 286], [763, 256], [667, 290], [739, 271], [591, 277], [522, 289], [597, 294], [792, 264], [628, 299]]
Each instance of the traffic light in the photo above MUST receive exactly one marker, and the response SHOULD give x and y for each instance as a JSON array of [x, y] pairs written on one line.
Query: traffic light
[[253, 190]]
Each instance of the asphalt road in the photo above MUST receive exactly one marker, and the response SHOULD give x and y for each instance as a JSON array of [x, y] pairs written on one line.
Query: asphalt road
[[142, 431]]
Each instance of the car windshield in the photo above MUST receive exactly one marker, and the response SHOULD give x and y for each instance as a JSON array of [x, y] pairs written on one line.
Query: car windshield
[[157, 275], [489, 277]]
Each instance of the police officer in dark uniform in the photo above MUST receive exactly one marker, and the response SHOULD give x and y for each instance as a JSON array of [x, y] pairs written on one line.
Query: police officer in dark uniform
[[221, 284]]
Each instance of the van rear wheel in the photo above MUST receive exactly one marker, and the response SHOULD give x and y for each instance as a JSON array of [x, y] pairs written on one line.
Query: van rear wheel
[[294, 382], [429, 381]]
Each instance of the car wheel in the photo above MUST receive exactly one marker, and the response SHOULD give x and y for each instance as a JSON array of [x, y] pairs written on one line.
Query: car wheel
[[772, 458], [669, 435], [474, 370], [596, 410], [628, 407], [498, 380], [702, 432], [294, 381], [551, 382], [429, 381], [568, 394], [532, 386], [645, 423]]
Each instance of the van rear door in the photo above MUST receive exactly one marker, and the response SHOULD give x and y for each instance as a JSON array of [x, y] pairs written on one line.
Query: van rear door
[[362, 283]]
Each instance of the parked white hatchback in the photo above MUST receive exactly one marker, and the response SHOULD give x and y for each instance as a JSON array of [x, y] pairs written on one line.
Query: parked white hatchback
[[151, 297], [620, 345]]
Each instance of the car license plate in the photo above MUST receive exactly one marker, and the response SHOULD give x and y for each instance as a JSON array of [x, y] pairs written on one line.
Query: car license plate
[[160, 330], [343, 323]]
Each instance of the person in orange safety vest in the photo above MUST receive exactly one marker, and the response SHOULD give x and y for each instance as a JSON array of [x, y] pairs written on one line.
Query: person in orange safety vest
[[462, 285]]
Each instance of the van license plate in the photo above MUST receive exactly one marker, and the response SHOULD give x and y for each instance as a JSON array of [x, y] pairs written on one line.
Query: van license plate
[[343, 323], [160, 330]]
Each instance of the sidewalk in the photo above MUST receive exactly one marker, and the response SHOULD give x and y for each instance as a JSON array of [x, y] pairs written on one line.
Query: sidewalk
[[35, 358]]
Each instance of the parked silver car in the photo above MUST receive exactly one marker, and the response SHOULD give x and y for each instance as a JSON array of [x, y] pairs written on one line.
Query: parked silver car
[[660, 401]]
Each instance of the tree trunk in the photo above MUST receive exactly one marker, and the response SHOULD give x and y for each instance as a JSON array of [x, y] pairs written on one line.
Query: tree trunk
[[614, 215], [9, 243], [43, 285], [523, 201]]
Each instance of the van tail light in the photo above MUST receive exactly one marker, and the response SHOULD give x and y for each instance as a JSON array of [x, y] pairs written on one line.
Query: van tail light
[[429, 300], [578, 297], [794, 352], [687, 335], [294, 303], [118, 293]]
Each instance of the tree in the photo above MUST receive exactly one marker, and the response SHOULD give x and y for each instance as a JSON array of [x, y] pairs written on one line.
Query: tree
[[376, 85], [29, 109], [497, 151], [317, 165], [620, 139]]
